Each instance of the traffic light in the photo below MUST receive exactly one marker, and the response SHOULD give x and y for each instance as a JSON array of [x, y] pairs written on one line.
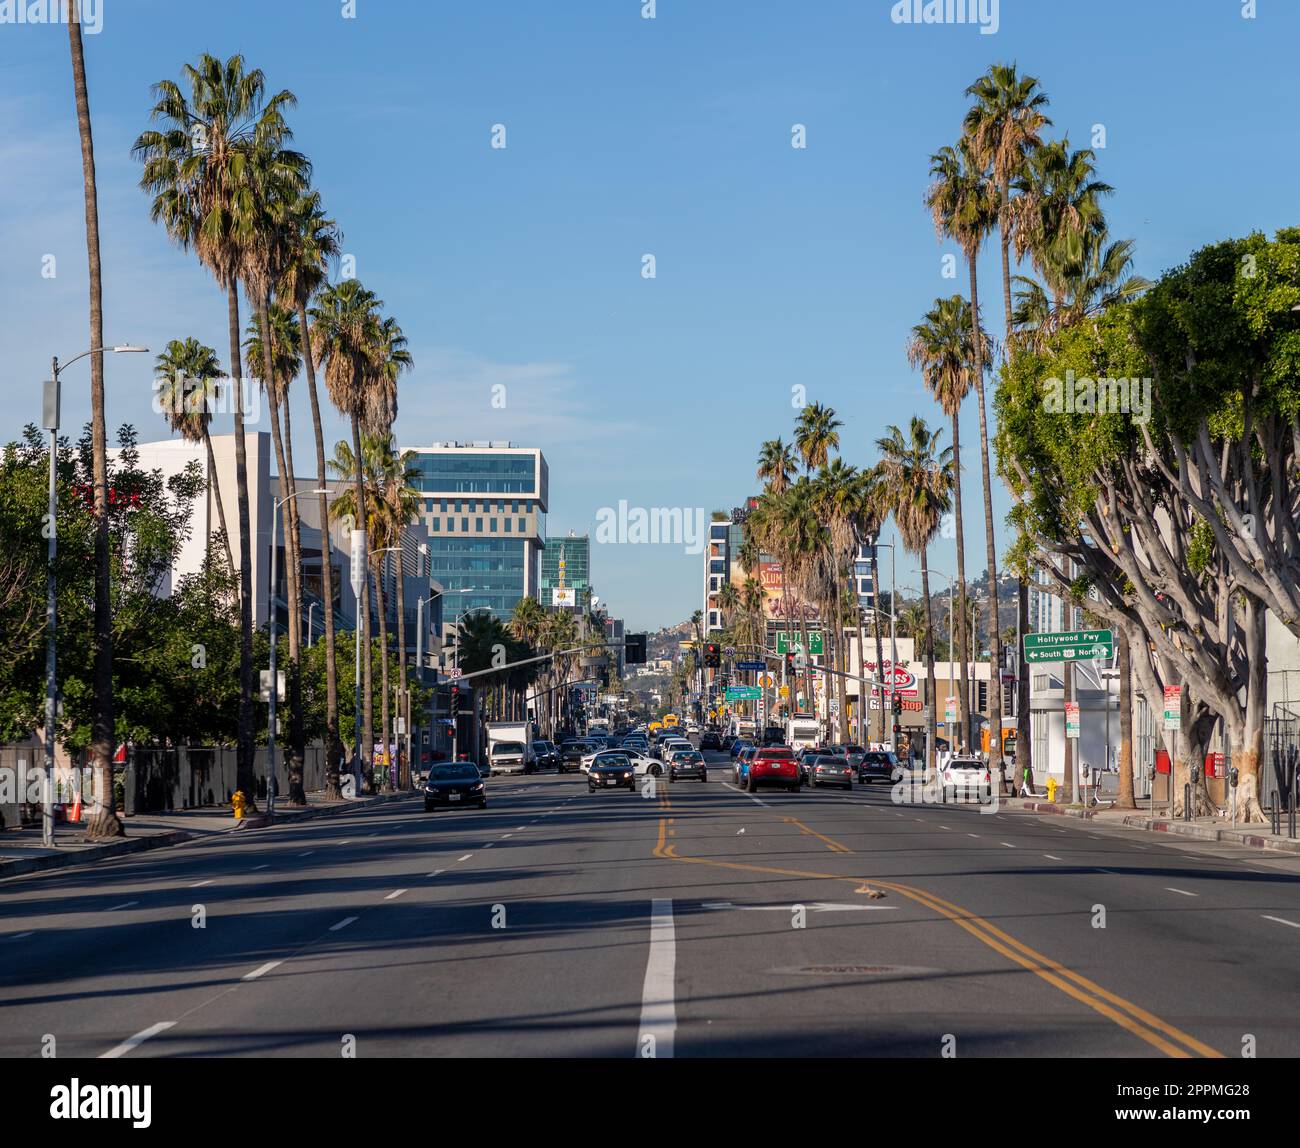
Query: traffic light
[[898, 704], [455, 701], [982, 702], [789, 664], [712, 654], [634, 650]]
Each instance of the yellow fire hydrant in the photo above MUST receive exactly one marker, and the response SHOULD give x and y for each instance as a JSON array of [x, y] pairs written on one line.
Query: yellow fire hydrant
[[237, 803], [1051, 789]]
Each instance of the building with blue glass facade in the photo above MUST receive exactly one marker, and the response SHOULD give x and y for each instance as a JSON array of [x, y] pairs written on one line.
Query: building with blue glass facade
[[484, 506]]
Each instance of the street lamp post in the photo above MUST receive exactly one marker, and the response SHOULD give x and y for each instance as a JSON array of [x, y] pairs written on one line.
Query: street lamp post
[[965, 733], [274, 691], [51, 401], [893, 638], [419, 653]]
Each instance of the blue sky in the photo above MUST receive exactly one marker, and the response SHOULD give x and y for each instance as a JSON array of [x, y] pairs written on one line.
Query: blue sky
[[627, 136]]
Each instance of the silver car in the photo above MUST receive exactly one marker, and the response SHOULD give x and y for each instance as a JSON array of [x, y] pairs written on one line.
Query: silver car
[[824, 769]]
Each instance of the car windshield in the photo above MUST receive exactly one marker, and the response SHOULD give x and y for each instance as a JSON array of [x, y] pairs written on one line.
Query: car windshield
[[879, 759], [839, 761], [454, 773], [504, 746], [613, 761], [965, 763], [853, 749]]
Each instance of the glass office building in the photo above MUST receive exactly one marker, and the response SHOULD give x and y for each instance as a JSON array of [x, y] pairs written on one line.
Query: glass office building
[[484, 507], [566, 565]]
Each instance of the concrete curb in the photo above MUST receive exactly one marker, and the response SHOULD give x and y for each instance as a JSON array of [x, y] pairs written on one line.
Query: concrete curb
[[93, 853], [1213, 833]]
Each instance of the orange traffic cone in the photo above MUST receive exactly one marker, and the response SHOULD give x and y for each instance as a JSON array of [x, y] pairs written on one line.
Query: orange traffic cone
[[75, 815]]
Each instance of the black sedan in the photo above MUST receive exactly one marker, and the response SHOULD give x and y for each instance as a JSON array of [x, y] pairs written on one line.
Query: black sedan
[[611, 770], [710, 740], [828, 769], [547, 756], [877, 765], [453, 785]]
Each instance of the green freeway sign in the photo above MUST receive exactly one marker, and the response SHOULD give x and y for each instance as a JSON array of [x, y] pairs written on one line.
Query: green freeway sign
[[743, 693], [1069, 646], [786, 642]]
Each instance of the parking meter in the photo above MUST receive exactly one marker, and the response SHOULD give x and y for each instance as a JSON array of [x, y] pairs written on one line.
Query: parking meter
[[1232, 776], [1196, 773]]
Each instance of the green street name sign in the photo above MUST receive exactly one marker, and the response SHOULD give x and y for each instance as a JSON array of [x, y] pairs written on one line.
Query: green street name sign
[[743, 693], [1070, 646], [787, 642]]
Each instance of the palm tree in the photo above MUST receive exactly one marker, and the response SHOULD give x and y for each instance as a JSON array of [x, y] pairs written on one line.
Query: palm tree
[[728, 600], [776, 465], [103, 821], [184, 371], [312, 242], [916, 478], [963, 205], [198, 168], [528, 625], [1003, 126], [837, 495], [344, 338], [816, 434], [942, 347]]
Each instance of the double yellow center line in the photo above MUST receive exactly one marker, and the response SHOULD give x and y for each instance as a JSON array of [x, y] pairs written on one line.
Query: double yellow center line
[[1158, 1033]]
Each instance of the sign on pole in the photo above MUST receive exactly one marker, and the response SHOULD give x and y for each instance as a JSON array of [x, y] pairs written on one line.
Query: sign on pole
[[743, 693], [950, 711], [358, 560], [1071, 719], [787, 643], [1173, 707], [759, 666], [1069, 646]]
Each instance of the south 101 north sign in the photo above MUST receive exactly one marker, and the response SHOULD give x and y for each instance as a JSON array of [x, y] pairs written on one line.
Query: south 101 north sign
[[1070, 646]]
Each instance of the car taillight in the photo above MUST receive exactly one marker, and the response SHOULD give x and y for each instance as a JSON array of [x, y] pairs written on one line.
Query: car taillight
[[986, 776]]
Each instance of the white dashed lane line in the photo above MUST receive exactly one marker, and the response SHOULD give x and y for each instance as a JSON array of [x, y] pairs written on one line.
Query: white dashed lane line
[[137, 1040], [1051, 857], [1004, 844], [20, 936], [1279, 920], [261, 970], [1183, 892], [309, 851], [123, 905], [343, 924], [394, 894], [465, 858], [200, 884], [255, 868]]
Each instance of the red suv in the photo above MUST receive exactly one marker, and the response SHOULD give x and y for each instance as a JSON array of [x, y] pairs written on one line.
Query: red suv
[[774, 766]]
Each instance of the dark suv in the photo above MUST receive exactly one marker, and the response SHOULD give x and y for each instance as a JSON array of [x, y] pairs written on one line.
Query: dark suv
[[710, 740]]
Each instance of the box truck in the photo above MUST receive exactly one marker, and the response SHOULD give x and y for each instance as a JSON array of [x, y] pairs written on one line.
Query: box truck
[[510, 747]]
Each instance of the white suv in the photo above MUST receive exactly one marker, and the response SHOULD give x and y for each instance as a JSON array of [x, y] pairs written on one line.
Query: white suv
[[965, 775]]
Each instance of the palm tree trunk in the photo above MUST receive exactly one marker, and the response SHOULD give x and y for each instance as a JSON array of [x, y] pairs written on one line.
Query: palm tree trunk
[[297, 738], [214, 491], [404, 774], [333, 744], [995, 630], [1125, 799], [381, 609], [363, 608], [963, 703], [931, 718], [1004, 235], [245, 777], [103, 820], [841, 693], [1024, 719], [292, 565]]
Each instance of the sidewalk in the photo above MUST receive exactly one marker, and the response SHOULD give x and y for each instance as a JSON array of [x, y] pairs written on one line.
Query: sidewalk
[[21, 850], [1258, 835]]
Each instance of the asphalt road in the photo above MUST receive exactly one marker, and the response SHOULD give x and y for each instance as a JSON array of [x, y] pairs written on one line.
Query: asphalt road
[[697, 921]]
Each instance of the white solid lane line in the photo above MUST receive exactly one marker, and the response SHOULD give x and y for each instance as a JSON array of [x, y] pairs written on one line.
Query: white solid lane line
[[1279, 920], [261, 970], [343, 924], [394, 894], [123, 905], [137, 1040], [1184, 892], [658, 1007]]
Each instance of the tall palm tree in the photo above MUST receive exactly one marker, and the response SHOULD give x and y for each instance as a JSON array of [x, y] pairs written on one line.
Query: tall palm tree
[[837, 496], [868, 520], [916, 478], [941, 346], [312, 243], [344, 337], [963, 204], [728, 600], [184, 372], [197, 168], [776, 465], [103, 821]]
